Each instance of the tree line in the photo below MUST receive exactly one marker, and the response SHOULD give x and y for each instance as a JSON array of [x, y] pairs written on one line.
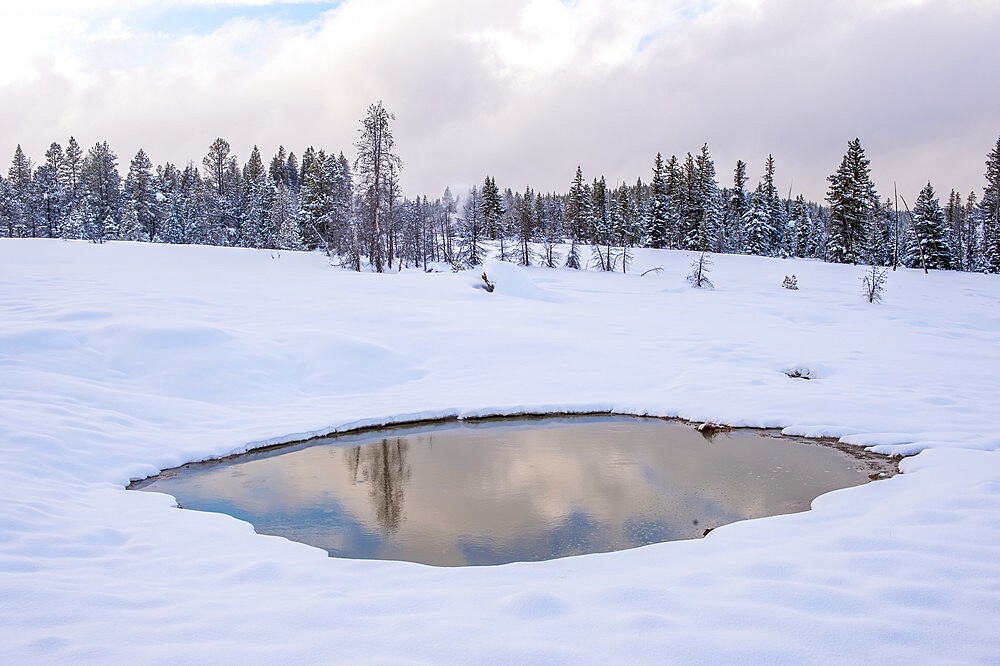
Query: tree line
[[356, 212]]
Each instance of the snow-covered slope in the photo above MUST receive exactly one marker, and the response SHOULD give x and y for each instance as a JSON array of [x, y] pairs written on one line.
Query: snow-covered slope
[[118, 360]]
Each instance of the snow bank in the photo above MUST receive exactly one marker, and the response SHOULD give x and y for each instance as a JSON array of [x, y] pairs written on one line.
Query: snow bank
[[512, 280], [121, 359]]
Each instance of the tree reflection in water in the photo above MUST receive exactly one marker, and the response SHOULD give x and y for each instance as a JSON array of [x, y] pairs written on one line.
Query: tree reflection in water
[[384, 468]]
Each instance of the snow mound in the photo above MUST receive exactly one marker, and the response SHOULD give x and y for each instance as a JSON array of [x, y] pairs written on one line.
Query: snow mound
[[512, 280]]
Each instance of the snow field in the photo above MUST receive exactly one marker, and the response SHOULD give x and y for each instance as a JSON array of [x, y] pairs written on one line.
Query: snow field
[[122, 359]]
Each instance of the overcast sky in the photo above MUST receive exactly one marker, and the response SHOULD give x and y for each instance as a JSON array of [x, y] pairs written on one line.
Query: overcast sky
[[522, 90]]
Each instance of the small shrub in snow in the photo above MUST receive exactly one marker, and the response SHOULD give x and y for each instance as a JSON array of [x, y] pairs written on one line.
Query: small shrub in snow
[[700, 268], [790, 282], [487, 285], [873, 282]]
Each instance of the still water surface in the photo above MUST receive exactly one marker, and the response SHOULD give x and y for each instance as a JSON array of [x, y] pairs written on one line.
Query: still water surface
[[497, 491]]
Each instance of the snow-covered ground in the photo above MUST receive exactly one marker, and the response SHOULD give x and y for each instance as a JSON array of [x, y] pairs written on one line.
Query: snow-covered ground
[[118, 360]]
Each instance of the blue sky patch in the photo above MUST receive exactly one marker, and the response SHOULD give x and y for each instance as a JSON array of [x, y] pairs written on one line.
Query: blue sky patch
[[204, 20]]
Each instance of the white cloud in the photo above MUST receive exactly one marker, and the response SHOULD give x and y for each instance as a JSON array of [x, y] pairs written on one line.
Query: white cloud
[[525, 91]]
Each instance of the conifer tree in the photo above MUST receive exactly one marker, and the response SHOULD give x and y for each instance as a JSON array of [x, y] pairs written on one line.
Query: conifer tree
[[678, 198], [51, 190], [775, 210], [852, 200], [49, 202], [255, 203], [471, 250], [973, 234], [222, 182], [100, 184], [23, 208], [705, 234], [929, 233], [8, 213], [802, 228], [659, 207], [990, 213], [140, 197], [278, 168], [579, 216], [72, 166], [739, 201], [375, 165], [525, 206], [757, 230]]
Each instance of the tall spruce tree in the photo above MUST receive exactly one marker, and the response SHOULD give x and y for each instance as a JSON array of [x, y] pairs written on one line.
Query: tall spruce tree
[[802, 229], [928, 244], [472, 252], [222, 182], [973, 234], [140, 196], [658, 223], [579, 217], [255, 203], [706, 232], [777, 219], [990, 213], [101, 186], [852, 199], [757, 229], [736, 208], [525, 205], [375, 165], [19, 177]]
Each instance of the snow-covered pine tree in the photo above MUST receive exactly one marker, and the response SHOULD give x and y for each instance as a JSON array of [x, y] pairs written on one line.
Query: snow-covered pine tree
[[757, 230], [929, 232], [283, 217], [471, 250], [255, 204], [688, 212], [623, 220], [101, 186], [506, 227], [973, 234], [317, 200], [277, 168], [19, 177], [8, 212], [493, 208], [140, 197], [579, 217], [706, 206], [70, 173], [603, 234], [880, 240], [222, 183], [525, 210], [658, 221], [549, 212], [736, 208], [51, 191], [678, 197], [802, 228], [990, 213], [776, 216], [853, 199], [48, 201], [130, 229], [184, 205], [292, 171]]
